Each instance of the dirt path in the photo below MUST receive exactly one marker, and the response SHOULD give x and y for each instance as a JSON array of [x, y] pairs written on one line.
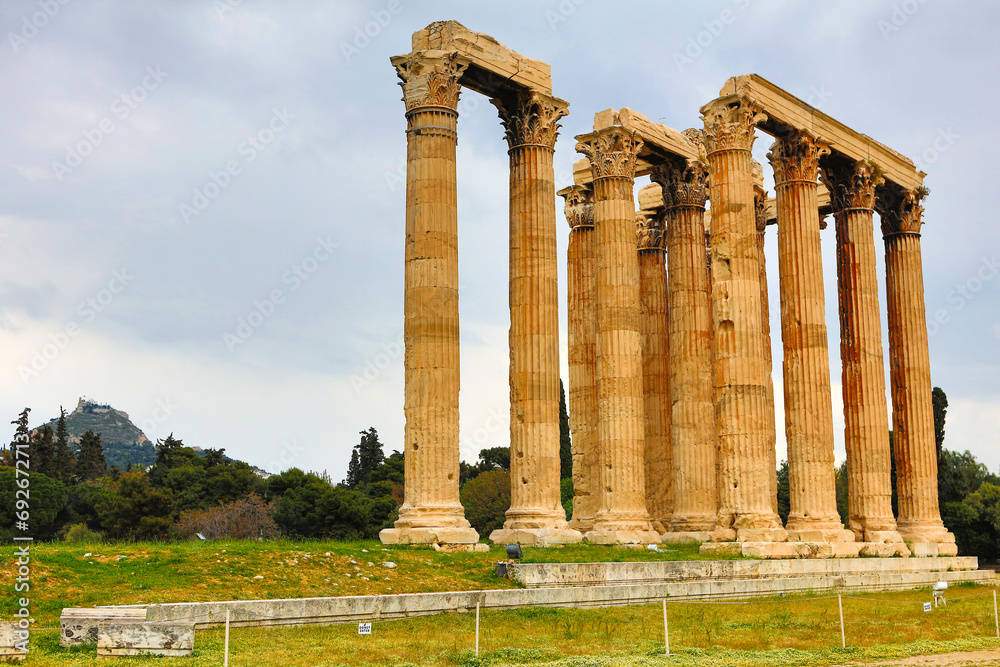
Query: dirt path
[[963, 659]]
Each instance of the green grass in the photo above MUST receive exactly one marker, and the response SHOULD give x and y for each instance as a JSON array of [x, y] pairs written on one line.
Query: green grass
[[802, 630], [159, 572]]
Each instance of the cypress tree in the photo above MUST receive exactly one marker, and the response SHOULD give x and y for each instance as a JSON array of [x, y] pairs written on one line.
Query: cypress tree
[[90, 462], [565, 443], [64, 460]]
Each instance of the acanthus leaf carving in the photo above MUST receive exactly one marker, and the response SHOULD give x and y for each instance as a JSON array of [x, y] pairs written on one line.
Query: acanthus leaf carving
[[900, 210], [579, 207], [682, 184], [612, 152], [430, 81], [851, 183], [530, 118], [795, 157], [649, 230], [730, 123], [760, 208]]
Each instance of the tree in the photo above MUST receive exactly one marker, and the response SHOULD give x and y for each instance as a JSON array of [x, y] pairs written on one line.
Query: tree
[[90, 462], [940, 404], [486, 499], [43, 452], [65, 463], [960, 475], [249, 518], [134, 509], [47, 500], [840, 483], [22, 435], [365, 458], [784, 495], [975, 520], [565, 443], [309, 507]]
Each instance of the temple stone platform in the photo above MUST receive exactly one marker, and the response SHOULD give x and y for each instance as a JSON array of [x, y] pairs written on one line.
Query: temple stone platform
[[587, 585], [860, 572]]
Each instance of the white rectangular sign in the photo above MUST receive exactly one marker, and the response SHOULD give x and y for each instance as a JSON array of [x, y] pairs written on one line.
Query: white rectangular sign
[[364, 628], [927, 606]]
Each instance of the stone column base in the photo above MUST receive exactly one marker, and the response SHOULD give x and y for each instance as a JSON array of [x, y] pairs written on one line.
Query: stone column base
[[536, 537], [749, 535], [429, 535], [612, 536], [884, 549], [782, 549], [882, 536], [581, 525], [820, 533], [928, 532], [683, 536], [931, 549]]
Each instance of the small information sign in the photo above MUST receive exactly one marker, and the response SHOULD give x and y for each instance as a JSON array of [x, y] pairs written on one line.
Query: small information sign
[[364, 628], [927, 606]]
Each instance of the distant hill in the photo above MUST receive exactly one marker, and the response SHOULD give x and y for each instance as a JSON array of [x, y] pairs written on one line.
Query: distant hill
[[123, 441]]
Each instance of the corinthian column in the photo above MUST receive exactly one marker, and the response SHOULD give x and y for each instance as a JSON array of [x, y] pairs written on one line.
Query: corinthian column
[[581, 267], [910, 373], [866, 424], [806, 366], [621, 510], [653, 324], [745, 510], [536, 515], [692, 386], [431, 510]]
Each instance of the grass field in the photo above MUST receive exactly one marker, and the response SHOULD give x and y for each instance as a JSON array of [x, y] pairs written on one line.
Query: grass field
[[154, 572], [800, 630]]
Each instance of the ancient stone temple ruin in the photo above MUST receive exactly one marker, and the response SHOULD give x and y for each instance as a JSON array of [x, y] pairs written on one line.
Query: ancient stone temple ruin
[[671, 399]]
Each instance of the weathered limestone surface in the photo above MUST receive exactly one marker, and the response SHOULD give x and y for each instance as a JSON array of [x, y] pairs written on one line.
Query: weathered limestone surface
[[653, 323], [692, 385], [78, 626], [116, 639], [745, 509], [852, 186], [813, 515], [581, 268], [536, 515], [621, 515], [919, 518], [13, 641], [431, 510]]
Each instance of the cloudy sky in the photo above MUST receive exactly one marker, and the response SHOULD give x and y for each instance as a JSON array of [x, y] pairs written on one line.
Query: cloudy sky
[[201, 201]]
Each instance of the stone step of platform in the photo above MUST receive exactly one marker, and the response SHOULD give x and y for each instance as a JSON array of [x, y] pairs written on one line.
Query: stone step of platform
[[122, 638], [604, 574], [335, 610], [13, 641], [78, 625]]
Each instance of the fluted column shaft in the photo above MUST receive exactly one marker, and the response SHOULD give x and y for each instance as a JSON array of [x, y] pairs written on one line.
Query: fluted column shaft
[[653, 323], [745, 510], [581, 268], [866, 423], [621, 514], [813, 513], [692, 384], [536, 514], [909, 371], [431, 510]]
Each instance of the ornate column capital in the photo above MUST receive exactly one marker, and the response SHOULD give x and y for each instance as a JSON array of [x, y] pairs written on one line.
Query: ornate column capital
[[530, 118], [579, 206], [730, 122], [649, 229], [760, 208], [900, 210], [430, 80], [795, 157], [612, 152], [851, 183], [682, 184]]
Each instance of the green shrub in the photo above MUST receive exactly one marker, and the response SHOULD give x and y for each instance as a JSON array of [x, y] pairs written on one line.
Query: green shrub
[[80, 533]]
